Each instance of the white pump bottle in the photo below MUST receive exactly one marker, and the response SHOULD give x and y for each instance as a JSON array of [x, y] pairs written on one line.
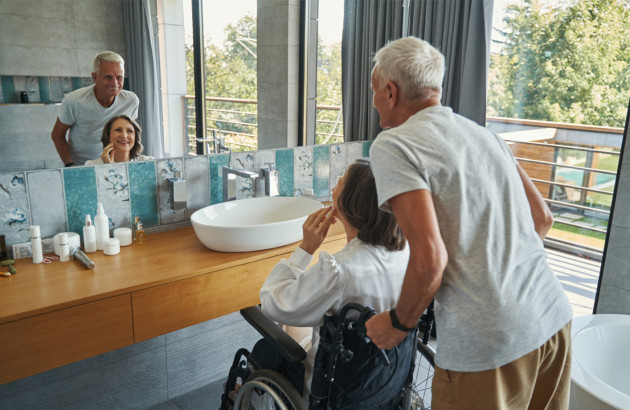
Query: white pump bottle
[[101, 223]]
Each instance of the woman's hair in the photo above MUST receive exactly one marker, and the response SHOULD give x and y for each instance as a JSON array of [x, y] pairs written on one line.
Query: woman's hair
[[137, 146], [359, 205], [106, 56], [414, 65]]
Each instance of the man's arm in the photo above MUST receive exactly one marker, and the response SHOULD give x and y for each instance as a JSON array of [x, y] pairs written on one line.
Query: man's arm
[[416, 216], [58, 136], [543, 218]]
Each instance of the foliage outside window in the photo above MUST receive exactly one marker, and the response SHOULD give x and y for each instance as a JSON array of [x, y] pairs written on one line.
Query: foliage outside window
[[566, 62]]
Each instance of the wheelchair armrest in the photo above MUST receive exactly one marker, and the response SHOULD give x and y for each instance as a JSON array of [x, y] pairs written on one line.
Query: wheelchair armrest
[[288, 348]]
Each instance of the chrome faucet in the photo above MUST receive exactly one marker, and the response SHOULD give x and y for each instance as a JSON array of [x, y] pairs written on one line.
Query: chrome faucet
[[269, 174], [177, 191], [272, 182], [239, 172]]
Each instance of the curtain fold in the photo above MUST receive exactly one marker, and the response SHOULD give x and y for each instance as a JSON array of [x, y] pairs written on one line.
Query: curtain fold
[[143, 72], [460, 29], [367, 26]]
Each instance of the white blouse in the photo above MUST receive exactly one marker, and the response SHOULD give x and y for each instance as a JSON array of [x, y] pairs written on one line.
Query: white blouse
[[296, 296]]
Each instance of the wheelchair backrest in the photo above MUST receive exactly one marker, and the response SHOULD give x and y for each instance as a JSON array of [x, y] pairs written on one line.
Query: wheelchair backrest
[[350, 371]]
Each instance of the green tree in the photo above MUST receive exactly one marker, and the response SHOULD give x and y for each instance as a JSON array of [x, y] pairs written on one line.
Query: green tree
[[328, 92], [566, 64]]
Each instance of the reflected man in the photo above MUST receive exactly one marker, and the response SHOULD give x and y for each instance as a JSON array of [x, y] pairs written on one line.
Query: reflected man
[[86, 111]]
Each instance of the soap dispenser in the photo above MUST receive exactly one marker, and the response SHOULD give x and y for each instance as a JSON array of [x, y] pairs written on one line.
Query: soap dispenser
[[89, 235], [101, 223]]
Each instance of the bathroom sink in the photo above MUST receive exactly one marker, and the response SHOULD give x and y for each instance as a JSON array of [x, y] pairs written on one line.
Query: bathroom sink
[[252, 224]]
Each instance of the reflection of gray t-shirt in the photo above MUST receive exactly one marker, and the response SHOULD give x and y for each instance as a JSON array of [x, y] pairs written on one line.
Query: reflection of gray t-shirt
[[499, 299], [86, 117]]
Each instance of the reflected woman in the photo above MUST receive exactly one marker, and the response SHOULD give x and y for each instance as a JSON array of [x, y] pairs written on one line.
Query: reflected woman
[[121, 141]]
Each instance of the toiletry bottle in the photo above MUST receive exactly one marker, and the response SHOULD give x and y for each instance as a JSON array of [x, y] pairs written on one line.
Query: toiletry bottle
[[101, 223], [36, 244], [134, 226], [140, 234], [89, 235], [64, 251]]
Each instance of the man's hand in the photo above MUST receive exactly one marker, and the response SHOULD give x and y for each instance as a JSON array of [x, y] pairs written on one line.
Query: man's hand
[[383, 334], [315, 229]]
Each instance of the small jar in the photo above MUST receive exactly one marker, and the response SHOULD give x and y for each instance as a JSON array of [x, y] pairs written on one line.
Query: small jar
[[111, 246], [123, 235]]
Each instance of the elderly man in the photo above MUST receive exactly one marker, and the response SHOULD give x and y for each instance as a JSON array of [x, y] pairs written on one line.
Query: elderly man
[[85, 111], [475, 223]]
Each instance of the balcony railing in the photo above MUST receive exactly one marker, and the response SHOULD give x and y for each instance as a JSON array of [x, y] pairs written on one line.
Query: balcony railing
[[576, 178], [233, 122]]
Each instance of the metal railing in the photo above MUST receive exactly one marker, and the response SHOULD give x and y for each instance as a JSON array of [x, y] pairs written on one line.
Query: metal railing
[[232, 124]]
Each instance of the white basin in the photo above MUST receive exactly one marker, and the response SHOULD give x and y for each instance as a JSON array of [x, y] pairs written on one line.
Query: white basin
[[252, 224], [601, 359]]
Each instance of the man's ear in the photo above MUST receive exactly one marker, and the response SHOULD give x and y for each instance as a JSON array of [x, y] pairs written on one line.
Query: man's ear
[[392, 94], [94, 77]]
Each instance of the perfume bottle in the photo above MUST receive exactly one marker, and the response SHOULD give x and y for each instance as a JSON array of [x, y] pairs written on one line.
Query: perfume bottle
[[139, 234]]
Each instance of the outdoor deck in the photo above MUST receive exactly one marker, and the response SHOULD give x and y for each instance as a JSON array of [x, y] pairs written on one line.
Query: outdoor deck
[[579, 278]]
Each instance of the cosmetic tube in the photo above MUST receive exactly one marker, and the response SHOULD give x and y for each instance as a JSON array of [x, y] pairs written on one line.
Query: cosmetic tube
[[64, 251], [36, 244], [81, 257]]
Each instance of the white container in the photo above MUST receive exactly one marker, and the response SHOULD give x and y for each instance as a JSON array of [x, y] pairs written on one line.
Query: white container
[[123, 235], [73, 240], [64, 251], [111, 246], [89, 235], [36, 244], [101, 223]]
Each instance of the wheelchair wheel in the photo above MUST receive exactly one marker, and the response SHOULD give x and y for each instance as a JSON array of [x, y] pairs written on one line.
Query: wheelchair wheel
[[266, 389], [422, 377]]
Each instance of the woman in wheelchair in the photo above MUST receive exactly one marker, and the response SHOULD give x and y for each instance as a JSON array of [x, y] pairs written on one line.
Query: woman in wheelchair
[[369, 270]]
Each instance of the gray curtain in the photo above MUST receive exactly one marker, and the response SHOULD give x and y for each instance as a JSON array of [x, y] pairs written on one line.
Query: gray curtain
[[143, 72], [460, 29], [367, 26]]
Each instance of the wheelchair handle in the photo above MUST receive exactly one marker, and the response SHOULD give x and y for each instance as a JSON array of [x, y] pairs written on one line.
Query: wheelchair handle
[[365, 313]]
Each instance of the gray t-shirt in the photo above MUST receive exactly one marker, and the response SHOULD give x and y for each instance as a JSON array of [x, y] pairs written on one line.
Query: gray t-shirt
[[499, 299], [86, 117]]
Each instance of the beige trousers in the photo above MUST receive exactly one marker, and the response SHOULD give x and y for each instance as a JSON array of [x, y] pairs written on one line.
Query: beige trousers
[[539, 380]]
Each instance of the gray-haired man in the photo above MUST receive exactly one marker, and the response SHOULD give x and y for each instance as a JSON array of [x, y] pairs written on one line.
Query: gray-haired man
[[85, 111]]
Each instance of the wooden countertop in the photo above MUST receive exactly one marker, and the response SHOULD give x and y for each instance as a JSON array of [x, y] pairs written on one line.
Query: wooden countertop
[[165, 257]]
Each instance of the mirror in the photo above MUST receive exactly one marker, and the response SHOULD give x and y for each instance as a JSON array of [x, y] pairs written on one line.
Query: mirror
[[52, 44]]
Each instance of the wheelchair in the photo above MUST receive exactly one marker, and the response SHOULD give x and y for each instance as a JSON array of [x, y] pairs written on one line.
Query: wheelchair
[[349, 371]]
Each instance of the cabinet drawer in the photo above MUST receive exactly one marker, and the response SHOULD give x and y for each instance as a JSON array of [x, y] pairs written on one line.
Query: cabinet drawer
[[65, 336]]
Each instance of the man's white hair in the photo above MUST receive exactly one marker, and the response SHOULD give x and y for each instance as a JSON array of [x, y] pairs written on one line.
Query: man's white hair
[[107, 56], [414, 65]]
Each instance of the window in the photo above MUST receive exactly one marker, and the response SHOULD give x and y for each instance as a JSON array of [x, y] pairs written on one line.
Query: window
[[558, 81]]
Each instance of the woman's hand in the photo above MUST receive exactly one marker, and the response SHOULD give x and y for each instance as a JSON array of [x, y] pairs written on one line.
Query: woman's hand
[[108, 154], [315, 229]]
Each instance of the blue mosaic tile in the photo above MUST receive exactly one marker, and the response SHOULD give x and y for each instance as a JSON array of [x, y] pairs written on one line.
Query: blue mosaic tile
[[15, 217], [48, 206], [245, 187], [303, 170], [285, 166], [366, 148], [337, 163], [166, 169], [44, 89], [113, 191], [77, 82], [143, 192], [321, 170], [217, 162], [8, 89], [197, 175], [81, 196]]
